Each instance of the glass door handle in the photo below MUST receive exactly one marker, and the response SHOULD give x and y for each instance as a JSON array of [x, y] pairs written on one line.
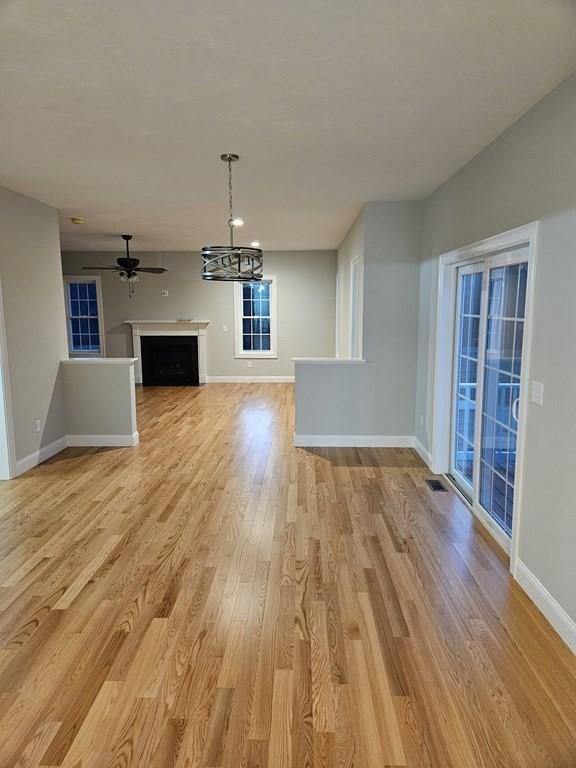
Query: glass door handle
[[515, 406]]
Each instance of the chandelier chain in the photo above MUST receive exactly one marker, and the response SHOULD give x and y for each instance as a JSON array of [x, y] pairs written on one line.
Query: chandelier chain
[[230, 210], [230, 188]]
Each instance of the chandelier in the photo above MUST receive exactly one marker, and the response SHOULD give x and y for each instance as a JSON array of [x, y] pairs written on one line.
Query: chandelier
[[231, 262]]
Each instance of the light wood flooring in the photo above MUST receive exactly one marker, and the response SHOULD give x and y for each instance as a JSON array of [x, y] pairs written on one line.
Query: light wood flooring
[[218, 598]]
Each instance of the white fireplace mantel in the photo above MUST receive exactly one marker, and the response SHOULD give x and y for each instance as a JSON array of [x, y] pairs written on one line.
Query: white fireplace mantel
[[169, 328]]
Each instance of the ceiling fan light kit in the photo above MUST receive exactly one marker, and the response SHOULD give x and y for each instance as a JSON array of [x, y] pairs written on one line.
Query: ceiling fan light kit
[[232, 262], [128, 269]]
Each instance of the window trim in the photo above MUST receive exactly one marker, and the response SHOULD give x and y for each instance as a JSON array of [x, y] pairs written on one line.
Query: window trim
[[238, 307], [85, 279]]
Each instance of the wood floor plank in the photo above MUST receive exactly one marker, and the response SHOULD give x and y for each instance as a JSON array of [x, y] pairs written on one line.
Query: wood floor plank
[[87, 573], [281, 731], [216, 598]]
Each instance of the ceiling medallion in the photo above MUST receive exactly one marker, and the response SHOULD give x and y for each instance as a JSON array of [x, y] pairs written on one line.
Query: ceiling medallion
[[231, 262]]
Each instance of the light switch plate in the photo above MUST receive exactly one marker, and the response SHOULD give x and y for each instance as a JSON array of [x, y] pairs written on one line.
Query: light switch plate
[[537, 393], [164, 292]]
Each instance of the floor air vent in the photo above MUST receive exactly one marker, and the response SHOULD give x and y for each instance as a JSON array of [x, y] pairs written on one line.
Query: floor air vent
[[436, 485]]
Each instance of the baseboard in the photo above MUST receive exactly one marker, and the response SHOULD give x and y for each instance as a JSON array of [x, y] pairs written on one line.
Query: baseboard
[[37, 457], [103, 441], [249, 379], [424, 454], [564, 625], [241, 380], [353, 441], [73, 441]]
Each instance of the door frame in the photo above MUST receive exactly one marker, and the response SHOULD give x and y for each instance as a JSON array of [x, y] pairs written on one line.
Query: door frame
[[521, 237], [356, 305], [7, 435], [338, 308]]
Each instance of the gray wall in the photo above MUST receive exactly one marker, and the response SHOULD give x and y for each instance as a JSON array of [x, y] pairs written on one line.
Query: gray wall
[[100, 397], [528, 173], [306, 306], [31, 278], [376, 398], [390, 332]]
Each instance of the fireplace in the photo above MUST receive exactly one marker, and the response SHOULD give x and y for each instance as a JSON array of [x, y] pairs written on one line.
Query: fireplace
[[142, 329], [169, 361]]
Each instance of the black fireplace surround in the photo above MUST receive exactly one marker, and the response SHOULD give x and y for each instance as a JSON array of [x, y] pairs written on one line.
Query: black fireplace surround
[[169, 361]]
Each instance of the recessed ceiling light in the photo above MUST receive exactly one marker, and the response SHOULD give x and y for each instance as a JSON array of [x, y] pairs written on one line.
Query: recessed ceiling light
[[77, 220], [255, 244], [237, 222]]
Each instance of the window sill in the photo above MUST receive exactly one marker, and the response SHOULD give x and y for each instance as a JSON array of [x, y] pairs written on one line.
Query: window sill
[[256, 356]]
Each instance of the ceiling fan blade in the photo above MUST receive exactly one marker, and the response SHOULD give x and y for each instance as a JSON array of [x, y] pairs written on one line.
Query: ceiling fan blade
[[101, 268], [152, 270]]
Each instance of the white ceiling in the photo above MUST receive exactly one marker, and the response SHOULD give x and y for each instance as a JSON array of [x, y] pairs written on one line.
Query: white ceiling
[[118, 111]]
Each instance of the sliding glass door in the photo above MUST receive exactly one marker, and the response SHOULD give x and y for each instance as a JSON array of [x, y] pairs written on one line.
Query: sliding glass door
[[467, 334], [504, 338], [489, 335]]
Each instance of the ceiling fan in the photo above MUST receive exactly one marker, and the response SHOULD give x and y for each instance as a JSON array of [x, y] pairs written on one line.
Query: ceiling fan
[[128, 269]]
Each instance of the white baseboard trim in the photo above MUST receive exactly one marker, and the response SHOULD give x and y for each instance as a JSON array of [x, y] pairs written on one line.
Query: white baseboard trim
[[37, 457], [424, 454], [249, 379], [353, 441], [564, 625], [103, 441], [74, 441]]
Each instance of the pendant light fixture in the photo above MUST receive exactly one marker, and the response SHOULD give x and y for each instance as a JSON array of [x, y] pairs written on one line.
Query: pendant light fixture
[[231, 262]]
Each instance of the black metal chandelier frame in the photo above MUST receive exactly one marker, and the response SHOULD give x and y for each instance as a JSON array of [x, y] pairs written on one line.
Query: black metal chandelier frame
[[231, 262]]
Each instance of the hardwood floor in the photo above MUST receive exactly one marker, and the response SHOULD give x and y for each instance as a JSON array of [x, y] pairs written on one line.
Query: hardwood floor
[[216, 597]]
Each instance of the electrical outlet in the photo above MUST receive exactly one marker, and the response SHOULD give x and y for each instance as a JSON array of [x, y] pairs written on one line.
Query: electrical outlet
[[164, 292], [225, 328], [249, 364], [38, 425]]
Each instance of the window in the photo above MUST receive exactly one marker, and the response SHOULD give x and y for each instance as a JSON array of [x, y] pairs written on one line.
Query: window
[[83, 299], [255, 318]]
